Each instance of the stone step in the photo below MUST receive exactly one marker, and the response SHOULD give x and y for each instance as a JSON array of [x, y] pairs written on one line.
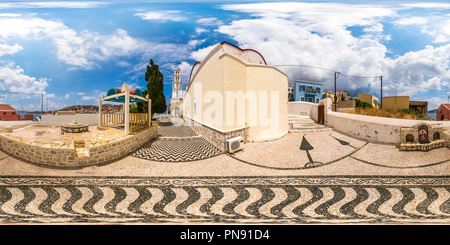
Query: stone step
[[302, 124], [309, 125], [305, 130]]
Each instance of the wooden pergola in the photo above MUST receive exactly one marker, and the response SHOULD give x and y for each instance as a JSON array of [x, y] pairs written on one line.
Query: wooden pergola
[[131, 122]]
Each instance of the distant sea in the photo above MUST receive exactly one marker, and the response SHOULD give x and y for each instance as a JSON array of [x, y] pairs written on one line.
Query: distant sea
[[26, 112], [433, 115]]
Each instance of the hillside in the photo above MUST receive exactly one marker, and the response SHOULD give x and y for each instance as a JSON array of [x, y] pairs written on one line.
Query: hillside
[[74, 107]]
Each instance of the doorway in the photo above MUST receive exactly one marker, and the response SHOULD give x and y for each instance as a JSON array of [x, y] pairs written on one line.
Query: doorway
[[321, 116]]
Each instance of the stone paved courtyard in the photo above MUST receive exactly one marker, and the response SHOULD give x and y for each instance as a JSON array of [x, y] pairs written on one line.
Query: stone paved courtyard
[[312, 177]]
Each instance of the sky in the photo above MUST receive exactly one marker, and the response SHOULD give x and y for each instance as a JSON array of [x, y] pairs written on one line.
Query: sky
[[73, 51]]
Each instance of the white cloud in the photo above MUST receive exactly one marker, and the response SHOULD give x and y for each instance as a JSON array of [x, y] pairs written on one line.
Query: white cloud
[[81, 50], [195, 42], [93, 97], [50, 95], [200, 30], [9, 15], [436, 26], [172, 15], [322, 17], [123, 64], [6, 49], [60, 4], [316, 34], [185, 68], [81, 93], [435, 102], [414, 67], [200, 54], [427, 5], [13, 79], [209, 22], [67, 96], [411, 21]]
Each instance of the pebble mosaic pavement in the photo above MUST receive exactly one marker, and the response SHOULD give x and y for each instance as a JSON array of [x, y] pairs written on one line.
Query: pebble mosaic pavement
[[176, 144], [265, 199], [226, 200]]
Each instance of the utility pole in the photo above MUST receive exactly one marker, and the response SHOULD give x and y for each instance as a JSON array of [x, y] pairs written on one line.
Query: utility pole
[[395, 92], [381, 95], [336, 75]]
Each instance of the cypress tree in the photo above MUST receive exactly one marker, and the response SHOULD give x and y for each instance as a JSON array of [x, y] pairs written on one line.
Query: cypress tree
[[155, 89]]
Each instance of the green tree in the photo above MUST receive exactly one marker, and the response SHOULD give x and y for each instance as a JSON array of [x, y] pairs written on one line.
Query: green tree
[[155, 90], [362, 104]]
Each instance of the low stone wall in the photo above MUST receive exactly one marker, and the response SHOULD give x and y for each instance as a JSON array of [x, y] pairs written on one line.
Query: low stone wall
[[216, 138], [65, 155], [300, 108], [376, 129]]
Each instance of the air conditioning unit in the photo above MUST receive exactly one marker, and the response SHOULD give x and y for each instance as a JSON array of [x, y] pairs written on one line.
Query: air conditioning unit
[[235, 144]]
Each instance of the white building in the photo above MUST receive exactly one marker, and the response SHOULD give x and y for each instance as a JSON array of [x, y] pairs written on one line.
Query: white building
[[176, 101]]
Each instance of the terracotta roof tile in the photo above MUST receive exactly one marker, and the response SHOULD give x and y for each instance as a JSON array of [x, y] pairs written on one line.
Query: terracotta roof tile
[[4, 107]]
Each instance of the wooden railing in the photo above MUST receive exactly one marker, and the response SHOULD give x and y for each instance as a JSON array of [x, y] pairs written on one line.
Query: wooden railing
[[111, 119], [138, 121]]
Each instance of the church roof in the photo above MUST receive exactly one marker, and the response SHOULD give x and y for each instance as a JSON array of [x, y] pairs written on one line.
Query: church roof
[[248, 56]]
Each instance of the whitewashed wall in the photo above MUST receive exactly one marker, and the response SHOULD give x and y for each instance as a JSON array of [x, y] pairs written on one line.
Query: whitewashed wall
[[377, 129], [300, 108]]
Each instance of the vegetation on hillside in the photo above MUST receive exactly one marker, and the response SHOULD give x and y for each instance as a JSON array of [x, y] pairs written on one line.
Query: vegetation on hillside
[[403, 114], [362, 104], [75, 107]]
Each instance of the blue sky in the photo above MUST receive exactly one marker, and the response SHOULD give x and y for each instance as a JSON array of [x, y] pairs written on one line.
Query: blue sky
[[73, 51]]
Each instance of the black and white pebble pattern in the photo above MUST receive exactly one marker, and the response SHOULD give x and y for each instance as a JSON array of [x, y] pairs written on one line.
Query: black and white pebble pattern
[[224, 199]]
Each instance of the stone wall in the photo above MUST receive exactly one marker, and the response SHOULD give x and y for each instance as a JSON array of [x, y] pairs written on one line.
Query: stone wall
[[65, 155], [300, 108], [346, 104], [376, 129], [215, 137]]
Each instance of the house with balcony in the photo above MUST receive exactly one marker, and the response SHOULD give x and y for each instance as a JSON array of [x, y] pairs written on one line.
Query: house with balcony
[[308, 91]]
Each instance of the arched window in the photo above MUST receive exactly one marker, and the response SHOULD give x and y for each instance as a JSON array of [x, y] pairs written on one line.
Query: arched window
[[409, 138], [436, 136]]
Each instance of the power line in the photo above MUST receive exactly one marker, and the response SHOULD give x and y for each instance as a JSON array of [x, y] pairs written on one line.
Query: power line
[[309, 67], [345, 75], [428, 88], [348, 77], [328, 70], [355, 82]]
